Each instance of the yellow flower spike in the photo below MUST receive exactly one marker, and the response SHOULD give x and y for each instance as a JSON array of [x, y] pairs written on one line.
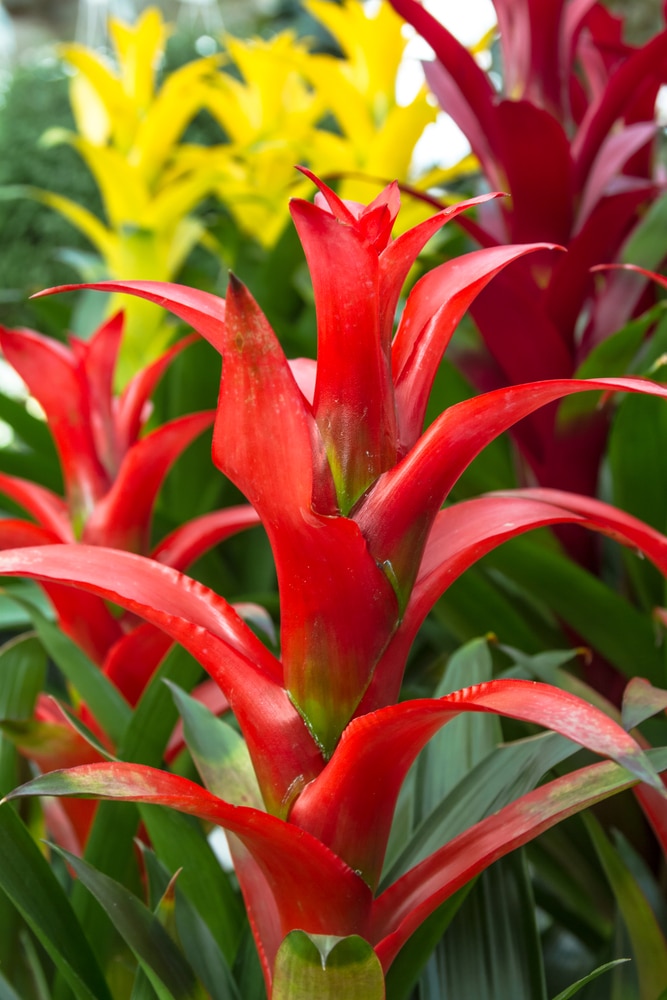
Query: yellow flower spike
[[182, 94], [139, 49], [97, 88], [371, 41]]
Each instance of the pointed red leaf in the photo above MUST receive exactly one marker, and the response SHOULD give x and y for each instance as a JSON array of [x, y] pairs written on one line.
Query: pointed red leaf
[[354, 402], [191, 540], [46, 507], [400, 910], [401, 253], [132, 661], [122, 519], [130, 407], [433, 310], [534, 152], [398, 512], [283, 751], [299, 870], [203, 311], [351, 804], [56, 381], [645, 67], [97, 358]]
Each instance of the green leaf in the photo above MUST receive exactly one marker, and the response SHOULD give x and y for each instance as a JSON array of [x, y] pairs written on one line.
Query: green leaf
[[572, 990], [219, 752], [475, 604], [406, 968], [500, 778], [646, 244], [492, 947], [164, 965], [612, 356], [202, 952], [104, 700], [641, 701], [29, 882], [636, 452], [463, 742], [22, 674], [326, 967], [648, 942], [606, 621], [178, 841]]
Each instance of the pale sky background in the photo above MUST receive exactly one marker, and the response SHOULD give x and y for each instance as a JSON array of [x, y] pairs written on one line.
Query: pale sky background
[[442, 143]]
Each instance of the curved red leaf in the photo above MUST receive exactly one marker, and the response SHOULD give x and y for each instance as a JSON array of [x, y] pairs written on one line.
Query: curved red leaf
[[402, 908], [49, 509], [191, 540], [283, 751], [57, 382], [396, 515], [203, 311], [299, 870], [351, 804], [433, 310]]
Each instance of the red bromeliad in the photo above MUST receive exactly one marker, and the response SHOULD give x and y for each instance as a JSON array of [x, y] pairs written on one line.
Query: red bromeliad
[[576, 119], [112, 475], [350, 492]]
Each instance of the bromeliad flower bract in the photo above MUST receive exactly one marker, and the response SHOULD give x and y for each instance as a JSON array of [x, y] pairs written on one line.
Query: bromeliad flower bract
[[350, 492]]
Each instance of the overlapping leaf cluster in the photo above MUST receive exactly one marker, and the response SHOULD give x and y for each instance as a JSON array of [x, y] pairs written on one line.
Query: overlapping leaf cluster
[[358, 815]]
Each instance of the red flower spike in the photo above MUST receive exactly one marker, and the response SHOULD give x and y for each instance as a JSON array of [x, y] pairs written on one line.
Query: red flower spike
[[56, 381], [337, 606], [354, 400]]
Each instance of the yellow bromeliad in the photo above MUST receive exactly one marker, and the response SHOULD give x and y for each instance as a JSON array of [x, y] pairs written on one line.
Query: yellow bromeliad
[[128, 133], [282, 110], [278, 102]]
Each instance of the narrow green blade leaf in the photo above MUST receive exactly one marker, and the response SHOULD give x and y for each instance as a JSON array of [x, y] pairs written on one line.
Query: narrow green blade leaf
[[572, 990], [648, 941], [219, 751], [405, 970], [164, 965], [105, 702], [28, 881], [492, 947], [641, 701], [503, 776], [329, 968]]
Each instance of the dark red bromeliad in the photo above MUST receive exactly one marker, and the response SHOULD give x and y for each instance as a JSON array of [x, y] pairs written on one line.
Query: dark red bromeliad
[[576, 117]]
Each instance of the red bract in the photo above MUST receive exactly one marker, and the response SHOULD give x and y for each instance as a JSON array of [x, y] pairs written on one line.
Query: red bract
[[571, 138], [350, 493]]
